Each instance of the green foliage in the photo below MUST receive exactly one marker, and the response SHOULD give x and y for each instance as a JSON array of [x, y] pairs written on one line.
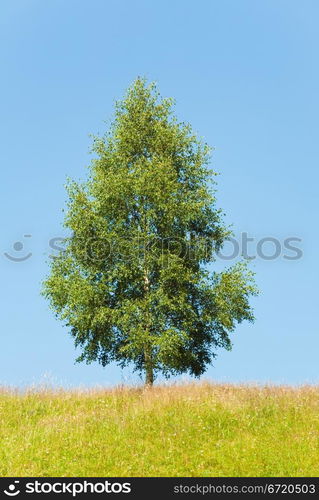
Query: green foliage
[[132, 284]]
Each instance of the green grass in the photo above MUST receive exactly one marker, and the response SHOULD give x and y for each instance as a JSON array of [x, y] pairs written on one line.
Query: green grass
[[188, 430]]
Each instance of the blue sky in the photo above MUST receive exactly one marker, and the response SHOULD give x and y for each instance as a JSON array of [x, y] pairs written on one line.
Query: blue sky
[[245, 75]]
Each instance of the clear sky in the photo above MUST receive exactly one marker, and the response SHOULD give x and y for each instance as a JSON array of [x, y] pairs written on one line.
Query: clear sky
[[245, 75]]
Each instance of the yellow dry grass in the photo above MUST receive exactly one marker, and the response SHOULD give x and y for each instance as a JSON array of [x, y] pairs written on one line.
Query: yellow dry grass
[[179, 430]]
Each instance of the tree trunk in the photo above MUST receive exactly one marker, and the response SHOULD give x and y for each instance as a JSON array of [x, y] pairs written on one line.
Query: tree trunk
[[149, 373], [148, 355]]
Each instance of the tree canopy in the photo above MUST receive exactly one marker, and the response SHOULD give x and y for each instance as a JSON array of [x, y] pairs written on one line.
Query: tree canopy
[[134, 283]]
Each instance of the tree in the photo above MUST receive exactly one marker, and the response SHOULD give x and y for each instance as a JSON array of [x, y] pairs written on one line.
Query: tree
[[132, 282]]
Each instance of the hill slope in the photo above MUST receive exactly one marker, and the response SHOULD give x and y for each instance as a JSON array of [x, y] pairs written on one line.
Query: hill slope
[[188, 430]]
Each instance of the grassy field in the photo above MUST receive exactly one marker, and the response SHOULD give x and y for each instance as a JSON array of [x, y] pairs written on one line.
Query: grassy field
[[188, 430]]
